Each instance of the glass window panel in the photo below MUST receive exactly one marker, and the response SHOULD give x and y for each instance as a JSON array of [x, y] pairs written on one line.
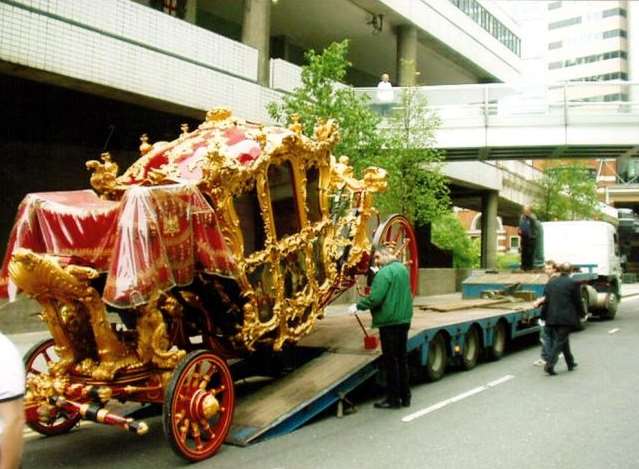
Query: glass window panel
[[251, 221], [281, 186], [313, 194]]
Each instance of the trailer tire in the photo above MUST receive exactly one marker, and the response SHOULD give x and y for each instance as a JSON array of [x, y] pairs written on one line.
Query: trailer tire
[[497, 349], [472, 347], [437, 359], [585, 304], [612, 304]]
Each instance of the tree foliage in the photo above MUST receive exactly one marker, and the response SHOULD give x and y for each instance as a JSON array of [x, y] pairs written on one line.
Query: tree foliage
[[569, 192], [402, 144], [448, 233], [322, 97]]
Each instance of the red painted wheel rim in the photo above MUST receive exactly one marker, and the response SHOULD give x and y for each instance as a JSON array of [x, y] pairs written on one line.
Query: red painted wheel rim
[[397, 233], [36, 362], [196, 437]]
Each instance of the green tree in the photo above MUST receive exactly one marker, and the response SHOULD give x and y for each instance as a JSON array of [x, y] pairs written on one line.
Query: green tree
[[322, 96], [417, 187], [402, 144], [448, 233], [569, 192]]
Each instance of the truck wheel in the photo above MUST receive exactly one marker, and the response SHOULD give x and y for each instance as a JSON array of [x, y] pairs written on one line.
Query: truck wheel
[[497, 349], [472, 347], [585, 304], [437, 359], [612, 304]]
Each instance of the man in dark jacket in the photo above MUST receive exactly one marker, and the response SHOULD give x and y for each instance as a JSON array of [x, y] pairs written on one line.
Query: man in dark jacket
[[391, 303], [560, 311], [528, 230]]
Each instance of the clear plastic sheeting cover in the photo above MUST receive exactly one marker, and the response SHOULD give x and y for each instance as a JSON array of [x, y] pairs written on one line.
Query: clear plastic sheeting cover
[[155, 238]]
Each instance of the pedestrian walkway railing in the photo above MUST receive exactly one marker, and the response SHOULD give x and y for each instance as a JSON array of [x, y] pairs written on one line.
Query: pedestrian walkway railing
[[556, 104]]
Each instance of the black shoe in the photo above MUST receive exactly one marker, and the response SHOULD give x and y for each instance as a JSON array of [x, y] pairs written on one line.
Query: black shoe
[[386, 404], [573, 366], [406, 402], [550, 370]]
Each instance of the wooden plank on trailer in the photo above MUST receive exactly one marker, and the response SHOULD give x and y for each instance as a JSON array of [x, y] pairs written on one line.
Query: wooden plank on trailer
[[465, 304]]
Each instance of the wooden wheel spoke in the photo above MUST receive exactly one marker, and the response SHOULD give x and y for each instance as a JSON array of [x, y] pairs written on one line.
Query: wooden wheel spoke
[[47, 357]]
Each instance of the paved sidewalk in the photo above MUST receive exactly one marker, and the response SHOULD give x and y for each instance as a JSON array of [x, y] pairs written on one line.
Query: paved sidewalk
[[629, 289]]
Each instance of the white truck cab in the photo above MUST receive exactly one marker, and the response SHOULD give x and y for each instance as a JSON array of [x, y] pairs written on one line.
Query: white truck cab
[[593, 247]]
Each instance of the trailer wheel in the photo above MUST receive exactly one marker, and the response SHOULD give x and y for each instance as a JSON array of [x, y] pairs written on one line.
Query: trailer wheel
[[472, 347], [497, 349], [397, 233], [198, 405], [585, 304], [37, 361], [612, 304], [437, 358]]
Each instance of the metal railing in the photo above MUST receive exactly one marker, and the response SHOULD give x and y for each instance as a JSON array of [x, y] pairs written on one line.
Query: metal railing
[[467, 105]]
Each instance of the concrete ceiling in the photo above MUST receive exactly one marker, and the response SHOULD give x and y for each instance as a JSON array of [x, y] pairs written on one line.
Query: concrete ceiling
[[315, 24]]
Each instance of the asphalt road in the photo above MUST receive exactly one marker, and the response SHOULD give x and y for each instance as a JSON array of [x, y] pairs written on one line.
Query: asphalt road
[[500, 415]]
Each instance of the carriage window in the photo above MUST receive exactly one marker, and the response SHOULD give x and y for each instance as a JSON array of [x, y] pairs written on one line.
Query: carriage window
[[251, 221], [312, 194], [282, 191]]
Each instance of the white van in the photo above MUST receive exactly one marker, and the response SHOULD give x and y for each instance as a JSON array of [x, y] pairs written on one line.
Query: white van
[[593, 247]]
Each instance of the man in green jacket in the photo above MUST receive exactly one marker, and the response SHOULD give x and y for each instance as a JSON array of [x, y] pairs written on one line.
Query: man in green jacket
[[391, 303]]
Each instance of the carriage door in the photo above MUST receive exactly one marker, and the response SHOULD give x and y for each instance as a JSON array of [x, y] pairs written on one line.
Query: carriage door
[[287, 220]]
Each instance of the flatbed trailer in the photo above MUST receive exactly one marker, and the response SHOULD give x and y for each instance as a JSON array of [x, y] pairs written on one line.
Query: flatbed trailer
[[445, 329]]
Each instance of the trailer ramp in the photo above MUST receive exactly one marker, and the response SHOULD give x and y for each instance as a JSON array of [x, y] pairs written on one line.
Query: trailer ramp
[[288, 402]]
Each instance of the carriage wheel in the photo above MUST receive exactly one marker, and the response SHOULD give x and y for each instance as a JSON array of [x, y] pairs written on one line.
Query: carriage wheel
[[37, 361], [397, 233], [198, 405]]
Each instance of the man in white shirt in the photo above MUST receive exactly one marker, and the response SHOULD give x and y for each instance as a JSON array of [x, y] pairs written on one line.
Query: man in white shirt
[[11, 405], [385, 95]]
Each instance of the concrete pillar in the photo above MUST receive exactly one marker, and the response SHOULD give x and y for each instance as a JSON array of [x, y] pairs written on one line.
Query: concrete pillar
[[190, 14], [406, 55], [256, 32], [489, 230]]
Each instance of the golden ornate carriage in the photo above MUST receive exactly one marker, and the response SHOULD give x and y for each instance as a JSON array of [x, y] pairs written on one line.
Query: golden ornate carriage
[[226, 242]]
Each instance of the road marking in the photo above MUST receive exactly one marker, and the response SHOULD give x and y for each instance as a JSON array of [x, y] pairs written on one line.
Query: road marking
[[457, 398], [614, 331]]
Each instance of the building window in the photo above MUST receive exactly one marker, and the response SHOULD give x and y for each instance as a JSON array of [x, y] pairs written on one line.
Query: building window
[[554, 45], [614, 33], [588, 59], [175, 8], [614, 12], [565, 23], [514, 243], [489, 23], [604, 77], [554, 5]]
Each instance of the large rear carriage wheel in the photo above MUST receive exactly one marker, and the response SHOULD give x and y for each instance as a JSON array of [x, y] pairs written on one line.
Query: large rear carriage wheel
[[37, 361], [397, 234], [198, 405]]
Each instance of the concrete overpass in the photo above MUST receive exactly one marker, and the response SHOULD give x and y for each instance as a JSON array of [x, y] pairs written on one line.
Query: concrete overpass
[[590, 120], [489, 131]]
